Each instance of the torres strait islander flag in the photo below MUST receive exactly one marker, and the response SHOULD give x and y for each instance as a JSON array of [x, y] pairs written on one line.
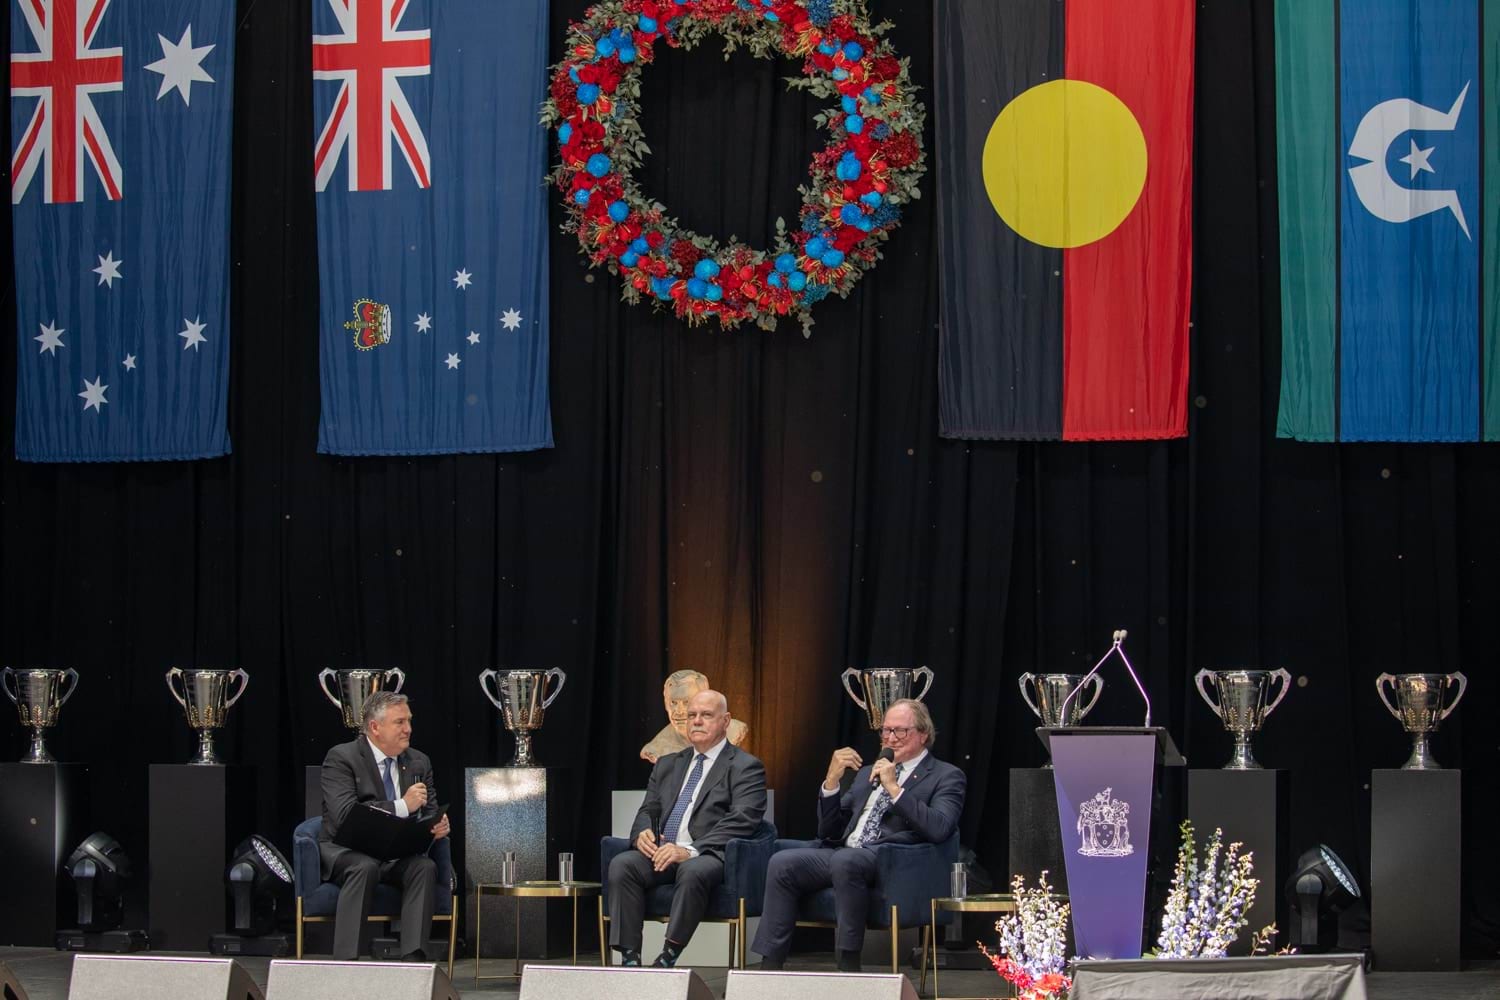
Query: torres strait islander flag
[[1388, 150], [432, 225], [1065, 130]]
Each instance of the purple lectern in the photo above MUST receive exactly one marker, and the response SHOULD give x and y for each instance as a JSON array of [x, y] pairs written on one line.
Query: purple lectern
[[1105, 778]]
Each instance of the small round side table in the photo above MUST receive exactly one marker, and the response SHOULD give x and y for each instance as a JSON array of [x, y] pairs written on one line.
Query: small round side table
[[528, 890]]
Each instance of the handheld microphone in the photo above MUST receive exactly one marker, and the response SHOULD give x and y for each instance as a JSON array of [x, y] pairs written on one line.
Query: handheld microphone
[[653, 813], [886, 753]]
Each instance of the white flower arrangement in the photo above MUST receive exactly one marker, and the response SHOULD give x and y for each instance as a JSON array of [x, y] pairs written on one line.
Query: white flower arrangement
[[1033, 943], [1207, 906]]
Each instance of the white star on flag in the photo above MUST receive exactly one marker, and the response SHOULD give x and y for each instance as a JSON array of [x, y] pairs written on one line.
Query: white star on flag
[[1417, 160], [453, 361], [424, 323], [462, 279], [129, 362], [109, 269], [193, 335], [511, 320], [181, 66], [473, 337], [93, 394], [51, 339]]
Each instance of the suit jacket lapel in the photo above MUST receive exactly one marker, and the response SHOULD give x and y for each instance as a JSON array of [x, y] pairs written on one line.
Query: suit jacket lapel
[[923, 769], [719, 771], [672, 782], [367, 756]]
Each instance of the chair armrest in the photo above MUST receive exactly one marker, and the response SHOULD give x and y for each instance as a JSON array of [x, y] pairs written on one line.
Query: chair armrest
[[306, 864], [745, 862], [609, 848], [913, 874], [441, 853]]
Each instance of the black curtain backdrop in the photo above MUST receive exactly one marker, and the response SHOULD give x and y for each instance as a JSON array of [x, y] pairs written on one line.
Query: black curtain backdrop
[[766, 508]]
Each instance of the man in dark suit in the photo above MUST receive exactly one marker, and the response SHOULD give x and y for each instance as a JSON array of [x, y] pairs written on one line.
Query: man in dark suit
[[378, 768], [698, 800], [913, 798]]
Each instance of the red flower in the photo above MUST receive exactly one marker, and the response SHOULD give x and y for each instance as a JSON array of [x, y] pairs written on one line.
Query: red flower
[[885, 67], [686, 255], [901, 150]]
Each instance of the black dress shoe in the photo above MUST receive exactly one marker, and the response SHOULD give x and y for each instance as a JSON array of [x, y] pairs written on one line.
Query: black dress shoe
[[668, 957], [415, 956], [769, 964], [630, 958], [849, 961]]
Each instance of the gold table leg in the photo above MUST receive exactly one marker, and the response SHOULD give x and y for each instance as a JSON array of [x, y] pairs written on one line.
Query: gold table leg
[[575, 930], [478, 938]]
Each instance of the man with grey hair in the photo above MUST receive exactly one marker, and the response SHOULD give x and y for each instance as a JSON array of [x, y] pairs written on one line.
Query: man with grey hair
[[906, 797], [379, 769]]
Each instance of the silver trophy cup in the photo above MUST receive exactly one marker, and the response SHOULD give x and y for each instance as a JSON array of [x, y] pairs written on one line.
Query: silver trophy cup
[[883, 685], [39, 695], [351, 688], [1419, 706], [522, 698], [205, 698], [1241, 705], [1051, 690]]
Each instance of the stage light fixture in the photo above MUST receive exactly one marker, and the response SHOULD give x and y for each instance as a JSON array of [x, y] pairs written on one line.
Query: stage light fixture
[[1320, 886], [259, 883], [99, 868]]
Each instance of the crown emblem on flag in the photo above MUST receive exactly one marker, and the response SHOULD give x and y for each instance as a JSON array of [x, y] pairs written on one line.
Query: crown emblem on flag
[[371, 324], [1104, 825]]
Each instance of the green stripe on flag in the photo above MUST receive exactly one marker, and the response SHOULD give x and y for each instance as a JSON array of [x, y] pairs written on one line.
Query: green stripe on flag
[[1489, 275], [1306, 159]]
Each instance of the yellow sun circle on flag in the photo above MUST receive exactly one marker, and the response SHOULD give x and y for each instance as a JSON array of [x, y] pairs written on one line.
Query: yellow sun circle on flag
[[1064, 163]]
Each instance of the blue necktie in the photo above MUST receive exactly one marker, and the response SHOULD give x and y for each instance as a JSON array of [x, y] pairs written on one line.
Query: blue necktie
[[877, 813], [390, 786], [674, 821]]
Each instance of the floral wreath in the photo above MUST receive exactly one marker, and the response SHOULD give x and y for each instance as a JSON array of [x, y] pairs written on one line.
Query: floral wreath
[[860, 180]]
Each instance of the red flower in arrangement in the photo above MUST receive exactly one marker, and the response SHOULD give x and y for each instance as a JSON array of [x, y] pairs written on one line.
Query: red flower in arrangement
[[861, 179]]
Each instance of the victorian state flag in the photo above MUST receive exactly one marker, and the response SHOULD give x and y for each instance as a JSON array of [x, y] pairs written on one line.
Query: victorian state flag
[[1388, 153], [120, 138], [432, 252], [1065, 131]]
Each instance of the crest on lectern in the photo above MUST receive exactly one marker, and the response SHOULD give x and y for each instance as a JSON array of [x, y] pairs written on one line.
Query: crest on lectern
[[1104, 825]]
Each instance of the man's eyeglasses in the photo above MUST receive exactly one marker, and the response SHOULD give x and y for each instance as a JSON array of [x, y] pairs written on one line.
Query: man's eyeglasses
[[894, 732]]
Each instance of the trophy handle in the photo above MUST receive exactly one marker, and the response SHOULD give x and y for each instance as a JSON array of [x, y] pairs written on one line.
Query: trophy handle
[[562, 679], [1463, 682], [1026, 679], [1202, 676], [1380, 683], [1286, 683], [174, 674], [6, 682], [851, 672], [244, 680], [919, 672], [1098, 690], [484, 685], [323, 678], [72, 676], [400, 679]]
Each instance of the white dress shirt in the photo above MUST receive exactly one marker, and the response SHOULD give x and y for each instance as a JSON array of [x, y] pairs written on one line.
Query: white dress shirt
[[685, 839], [380, 759], [907, 767]]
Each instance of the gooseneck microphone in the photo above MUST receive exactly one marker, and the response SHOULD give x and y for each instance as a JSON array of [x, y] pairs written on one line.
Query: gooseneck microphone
[[886, 753]]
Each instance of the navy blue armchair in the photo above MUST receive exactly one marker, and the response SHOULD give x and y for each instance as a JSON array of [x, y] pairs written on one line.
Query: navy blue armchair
[[910, 877], [318, 901], [740, 897]]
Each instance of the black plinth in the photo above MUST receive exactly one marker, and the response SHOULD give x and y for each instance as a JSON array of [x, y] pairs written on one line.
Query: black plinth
[[198, 814], [1415, 836], [312, 791], [43, 819], [1035, 838], [1250, 807]]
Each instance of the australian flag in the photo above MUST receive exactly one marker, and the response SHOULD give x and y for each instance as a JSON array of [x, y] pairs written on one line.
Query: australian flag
[[428, 166], [120, 138]]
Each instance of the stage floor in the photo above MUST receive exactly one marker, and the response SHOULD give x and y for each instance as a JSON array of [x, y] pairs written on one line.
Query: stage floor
[[44, 975]]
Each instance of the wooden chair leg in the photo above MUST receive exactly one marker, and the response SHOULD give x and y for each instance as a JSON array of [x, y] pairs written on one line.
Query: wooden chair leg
[[603, 941], [744, 933], [299, 926], [926, 939], [895, 942], [452, 934]]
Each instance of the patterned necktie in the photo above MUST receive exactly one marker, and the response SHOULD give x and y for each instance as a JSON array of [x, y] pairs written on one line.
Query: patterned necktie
[[674, 821], [872, 824], [390, 786]]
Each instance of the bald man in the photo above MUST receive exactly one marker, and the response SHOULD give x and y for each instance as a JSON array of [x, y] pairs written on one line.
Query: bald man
[[697, 801]]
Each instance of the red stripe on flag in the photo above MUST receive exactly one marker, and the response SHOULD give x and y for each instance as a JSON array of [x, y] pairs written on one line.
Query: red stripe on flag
[[1126, 297]]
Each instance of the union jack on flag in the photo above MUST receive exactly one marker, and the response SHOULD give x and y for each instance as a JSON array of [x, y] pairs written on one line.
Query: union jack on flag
[[64, 73], [122, 299], [368, 57]]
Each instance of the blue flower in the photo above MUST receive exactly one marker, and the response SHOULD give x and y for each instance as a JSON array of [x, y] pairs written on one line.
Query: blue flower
[[697, 287], [871, 198], [826, 47], [881, 131], [850, 215], [619, 211], [786, 263], [820, 12], [833, 258], [840, 73], [853, 51], [815, 294], [647, 24], [564, 133], [886, 215], [581, 196], [630, 258], [588, 93], [627, 55], [598, 165], [811, 223], [713, 293], [573, 73], [816, 246], [870, 97], [854, 124], [848, 104], [771, 16], [774, 279], [706, 269], [639, 245], [605, 47], [796, 281]]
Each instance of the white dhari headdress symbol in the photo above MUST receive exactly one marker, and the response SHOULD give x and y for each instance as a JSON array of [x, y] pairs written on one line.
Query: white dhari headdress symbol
[[1384, 124], [1104, 825]]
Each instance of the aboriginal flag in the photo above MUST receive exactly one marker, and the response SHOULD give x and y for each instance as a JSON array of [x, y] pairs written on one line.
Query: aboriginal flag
[[1065, 181]]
